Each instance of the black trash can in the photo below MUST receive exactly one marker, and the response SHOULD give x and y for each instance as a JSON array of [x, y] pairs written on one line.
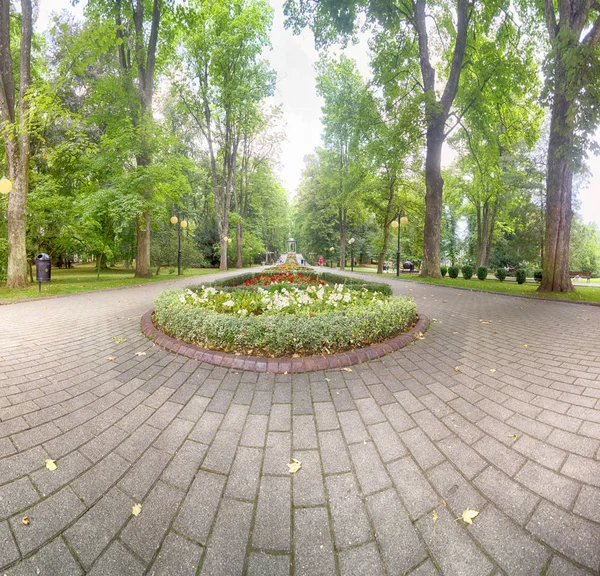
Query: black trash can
[[43, 268]]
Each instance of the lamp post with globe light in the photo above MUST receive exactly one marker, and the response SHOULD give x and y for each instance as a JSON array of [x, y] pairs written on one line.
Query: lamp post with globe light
[[332, 250], [400, 220], [183, 224], [351, 242], [228, 241]]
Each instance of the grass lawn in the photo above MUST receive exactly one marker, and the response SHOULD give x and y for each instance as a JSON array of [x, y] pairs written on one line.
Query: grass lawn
[[82, 278], [581, 293]]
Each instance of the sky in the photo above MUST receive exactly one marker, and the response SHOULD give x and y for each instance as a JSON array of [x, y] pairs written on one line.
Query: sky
[[293, 58]]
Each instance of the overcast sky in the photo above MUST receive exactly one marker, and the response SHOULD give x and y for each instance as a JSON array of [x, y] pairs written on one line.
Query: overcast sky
[[293, 57]]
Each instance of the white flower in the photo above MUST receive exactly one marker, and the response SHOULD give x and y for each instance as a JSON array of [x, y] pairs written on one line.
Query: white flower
[[243, 312], [229, 303]]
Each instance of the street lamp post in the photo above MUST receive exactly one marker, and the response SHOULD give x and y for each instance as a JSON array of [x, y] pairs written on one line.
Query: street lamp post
[[331, 250], [228, 241], [351, 242], [398, 224], [182, 224]]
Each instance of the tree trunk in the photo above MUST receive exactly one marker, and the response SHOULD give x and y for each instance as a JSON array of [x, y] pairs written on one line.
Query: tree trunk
[[558, 200], [142, 263], [386, 238], [17, 221], [483, 234], [434, 185], [239, 244], [342, 213]]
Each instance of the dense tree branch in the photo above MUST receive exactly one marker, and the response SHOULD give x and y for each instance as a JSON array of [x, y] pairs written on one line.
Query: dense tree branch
[[550, 19]]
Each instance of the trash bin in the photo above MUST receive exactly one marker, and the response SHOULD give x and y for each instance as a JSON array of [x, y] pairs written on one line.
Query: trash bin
[[43, 268]]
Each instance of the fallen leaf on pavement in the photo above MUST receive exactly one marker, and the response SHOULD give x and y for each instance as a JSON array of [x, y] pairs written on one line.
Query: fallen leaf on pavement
[[111, 358], [455, 332], [50, 464], [136, 510], [294, 465], [457, 369], [25, 520], [347, 369], [468, 515], [492, 370], [514, 436], [140, 353]]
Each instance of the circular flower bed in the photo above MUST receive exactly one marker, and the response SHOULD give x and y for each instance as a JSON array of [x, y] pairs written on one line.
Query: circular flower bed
[[283, 278], [285, 319]]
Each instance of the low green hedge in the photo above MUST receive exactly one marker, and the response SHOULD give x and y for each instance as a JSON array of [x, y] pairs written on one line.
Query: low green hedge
[[283, 335]]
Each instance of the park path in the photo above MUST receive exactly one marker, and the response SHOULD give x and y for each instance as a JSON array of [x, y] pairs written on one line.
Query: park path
[[496, 409]]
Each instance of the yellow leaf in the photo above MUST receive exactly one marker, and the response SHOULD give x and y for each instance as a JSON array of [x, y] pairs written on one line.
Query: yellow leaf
[[294, 465], [455, 332], [25, 520], [50, 464], [111, 358], [457, 369], [140, 353], [136, 510], [492, 370], [468, 515], [514, 436], [347, 369], [525, 345], [435, 516]]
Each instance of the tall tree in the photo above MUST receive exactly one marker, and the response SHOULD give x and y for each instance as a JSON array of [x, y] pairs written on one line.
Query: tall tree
[[573, 85], [225, 78], [14, 113]]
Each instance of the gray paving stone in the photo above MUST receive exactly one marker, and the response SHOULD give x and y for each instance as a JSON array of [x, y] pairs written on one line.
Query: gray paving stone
[[304, 435], [423, 450], [515, 551], [272, 530], [588, 503], [101, 445], [333, 452], [313, 548], [235, 418], [173, 436], [261, 564], [308, 481], [99, 478], [278, 453], [94, 531], [572, 536], [350, 522], [206, 428], [554, 487], [183, 467], [508, 495], [68, 468], [353, 428], [542, 453], [132, 448], [144, 473], [117, 560], [8, 549], [326, 416], [396, 536], [243, 480], [361, 561], [452, 548], [462, 456], [176, 556], [52, 560], [387, 441], [417, 494], [454, 488], [16, 496], [370, 471], [560, 567], [200, 506], [582, 469], [221, 453], [504, 458], [370, 411], [46, 519], [255, 431], [226, 550]]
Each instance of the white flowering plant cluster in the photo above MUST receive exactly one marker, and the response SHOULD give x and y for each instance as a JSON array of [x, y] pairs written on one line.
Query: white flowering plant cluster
[[286, 321], [285, 299]]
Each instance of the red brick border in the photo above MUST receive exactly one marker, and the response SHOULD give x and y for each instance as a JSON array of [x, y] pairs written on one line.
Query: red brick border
[[283, 364]]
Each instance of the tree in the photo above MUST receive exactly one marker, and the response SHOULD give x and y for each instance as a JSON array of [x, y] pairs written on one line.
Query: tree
[[15, 116], [224, 79], [573, 84]]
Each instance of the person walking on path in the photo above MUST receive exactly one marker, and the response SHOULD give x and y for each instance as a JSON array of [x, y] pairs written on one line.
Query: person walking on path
[[320, 260]]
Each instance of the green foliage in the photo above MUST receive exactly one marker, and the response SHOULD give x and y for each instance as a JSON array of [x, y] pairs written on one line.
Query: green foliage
[[538, 275], [500, 273], [287, 335], [467, 272], [453, 271], [482, 272], [443, 271], [521, 275]]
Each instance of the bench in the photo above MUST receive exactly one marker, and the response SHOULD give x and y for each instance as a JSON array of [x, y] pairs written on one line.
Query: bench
[[587, 275]]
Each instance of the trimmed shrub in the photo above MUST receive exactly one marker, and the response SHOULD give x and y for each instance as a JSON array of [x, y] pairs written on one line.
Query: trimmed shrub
[[467, 272], [500, 274], [482, 272], [521, 276], [538, 275], [443, 271], [453, 271], [287, 334]]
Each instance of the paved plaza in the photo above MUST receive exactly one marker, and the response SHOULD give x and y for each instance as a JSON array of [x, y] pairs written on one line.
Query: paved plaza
[[496, 409]]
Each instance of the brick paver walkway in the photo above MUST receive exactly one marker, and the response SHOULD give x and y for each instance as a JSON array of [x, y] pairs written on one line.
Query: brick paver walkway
[[496, 409]]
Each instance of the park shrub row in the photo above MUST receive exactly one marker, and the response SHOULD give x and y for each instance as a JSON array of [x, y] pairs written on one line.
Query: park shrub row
[[482, 273]]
